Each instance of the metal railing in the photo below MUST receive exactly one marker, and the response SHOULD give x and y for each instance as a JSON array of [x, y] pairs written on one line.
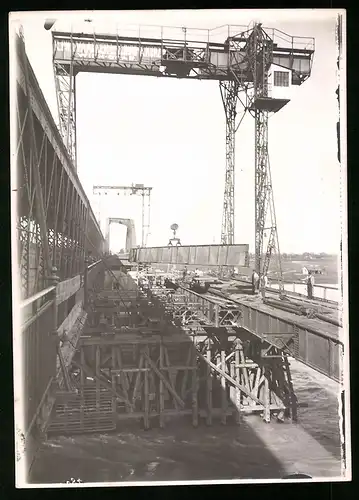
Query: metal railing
[[147, 44], [322, 292], [329, 293], [176, 33]]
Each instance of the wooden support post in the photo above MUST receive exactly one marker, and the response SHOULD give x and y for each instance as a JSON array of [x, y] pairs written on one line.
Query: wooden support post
[[293, 397], [266, 397], [232, 389], [279, 385], [86, 298], [194, 389], [137, 381], [229, 378], [171, 374], [162, 394], [224, 388], [82, 382], [98, 372], [245, 371], [166, 383], [257, 380], [146, 401], [113, 381], [209, 385], [123, 378], [185, 373], [238, 380]]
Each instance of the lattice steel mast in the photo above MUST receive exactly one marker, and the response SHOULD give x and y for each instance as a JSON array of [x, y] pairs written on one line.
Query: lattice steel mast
[[260, 47], [253, 48], [229, 93]]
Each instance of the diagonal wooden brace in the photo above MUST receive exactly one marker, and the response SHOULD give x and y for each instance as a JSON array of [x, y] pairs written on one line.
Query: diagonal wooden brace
[[165, 381], [230, 379], [104, 383]]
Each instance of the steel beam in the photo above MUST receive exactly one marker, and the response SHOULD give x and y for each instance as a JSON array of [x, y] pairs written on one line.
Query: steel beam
[[199, 255]]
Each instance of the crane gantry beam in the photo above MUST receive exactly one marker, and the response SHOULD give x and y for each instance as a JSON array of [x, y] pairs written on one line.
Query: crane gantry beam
[[240, 63]]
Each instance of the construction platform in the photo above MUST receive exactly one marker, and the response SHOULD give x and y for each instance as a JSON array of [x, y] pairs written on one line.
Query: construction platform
[[150, 353]]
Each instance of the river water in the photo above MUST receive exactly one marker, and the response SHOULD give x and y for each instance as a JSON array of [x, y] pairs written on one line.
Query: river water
[[252, 450]]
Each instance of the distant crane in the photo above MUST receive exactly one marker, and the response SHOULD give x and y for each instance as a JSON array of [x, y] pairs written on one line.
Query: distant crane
[[135, 189]]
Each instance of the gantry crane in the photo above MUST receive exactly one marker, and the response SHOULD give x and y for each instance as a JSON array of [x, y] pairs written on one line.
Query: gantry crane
[[241, 64], [135, 189]]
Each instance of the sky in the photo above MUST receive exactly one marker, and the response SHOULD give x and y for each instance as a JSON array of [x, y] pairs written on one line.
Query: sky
[[169, 134]]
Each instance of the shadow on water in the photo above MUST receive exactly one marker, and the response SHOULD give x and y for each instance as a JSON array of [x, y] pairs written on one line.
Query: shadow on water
[[318, 397], [179, 452]]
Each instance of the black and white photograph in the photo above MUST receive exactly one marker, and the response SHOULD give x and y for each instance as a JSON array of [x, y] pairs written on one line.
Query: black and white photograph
[[179, 247]]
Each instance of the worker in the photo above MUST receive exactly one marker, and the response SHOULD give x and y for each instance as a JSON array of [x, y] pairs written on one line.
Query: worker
[[310, 285], [264, 284], [185, 271], [196, 273], [255, 282]]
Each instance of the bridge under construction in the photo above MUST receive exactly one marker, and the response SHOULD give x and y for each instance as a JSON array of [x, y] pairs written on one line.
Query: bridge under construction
[[106, 341]]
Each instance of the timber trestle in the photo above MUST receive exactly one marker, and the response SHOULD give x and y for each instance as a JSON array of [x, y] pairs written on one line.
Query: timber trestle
[[151, 355]]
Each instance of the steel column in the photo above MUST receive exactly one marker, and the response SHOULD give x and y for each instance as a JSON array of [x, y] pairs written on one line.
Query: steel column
[[261, 56], [229, 93], [65, 91]]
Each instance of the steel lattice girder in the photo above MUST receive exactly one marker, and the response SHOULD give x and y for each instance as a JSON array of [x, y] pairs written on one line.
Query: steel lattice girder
[[203, 58], [71, 228]]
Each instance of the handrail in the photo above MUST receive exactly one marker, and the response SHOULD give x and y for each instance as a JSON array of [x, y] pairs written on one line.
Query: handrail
[[94, 264], [329, 287], [36, 297], [37, 315], [46, 291]]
